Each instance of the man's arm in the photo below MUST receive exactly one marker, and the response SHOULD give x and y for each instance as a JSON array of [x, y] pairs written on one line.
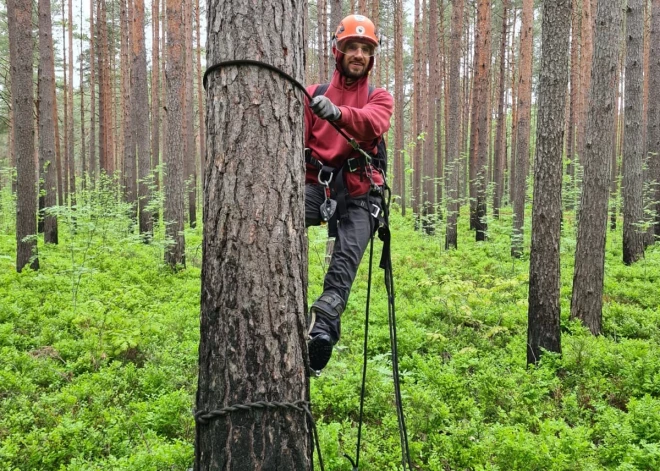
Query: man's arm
[[370, 122]]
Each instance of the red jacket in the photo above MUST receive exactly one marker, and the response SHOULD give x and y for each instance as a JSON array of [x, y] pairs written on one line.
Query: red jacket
[[363, 117]]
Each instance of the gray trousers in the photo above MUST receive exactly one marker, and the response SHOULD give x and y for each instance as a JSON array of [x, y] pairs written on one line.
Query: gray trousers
[[353, 233]]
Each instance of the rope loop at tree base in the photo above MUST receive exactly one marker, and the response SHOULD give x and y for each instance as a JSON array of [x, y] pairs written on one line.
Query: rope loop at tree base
[[203, 417]]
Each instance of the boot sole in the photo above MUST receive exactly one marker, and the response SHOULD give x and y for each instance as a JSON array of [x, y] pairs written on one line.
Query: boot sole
[[320, 351]]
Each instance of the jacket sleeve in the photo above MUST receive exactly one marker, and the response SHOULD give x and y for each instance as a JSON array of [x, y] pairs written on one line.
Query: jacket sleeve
[[372, 121], [309, 115]]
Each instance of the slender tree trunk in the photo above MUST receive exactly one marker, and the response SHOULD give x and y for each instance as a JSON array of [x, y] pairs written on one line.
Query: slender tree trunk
[[417, 123], [256, 347], [71, 157], [523, 128], [155, 92], [375, 18], [189, 147], [614, 174], [19, 18], [399, 159], [320, 38], [200, 102], [431, 33], [586, 59], [543, 326], [141, 115], [633, 211], [587, 299], [453, 143], [66, 167], [83, 147], [500, 133], [174, 179], [653, 119], [482, 79], [574, 101], [47, 157], [58, 154], [129, 106], [515, 72], [92, 95]]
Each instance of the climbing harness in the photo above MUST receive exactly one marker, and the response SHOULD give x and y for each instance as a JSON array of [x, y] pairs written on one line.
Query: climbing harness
[[328, 213]]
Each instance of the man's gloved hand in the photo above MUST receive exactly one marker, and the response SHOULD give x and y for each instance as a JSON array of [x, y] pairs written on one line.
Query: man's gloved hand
[[324, 108]]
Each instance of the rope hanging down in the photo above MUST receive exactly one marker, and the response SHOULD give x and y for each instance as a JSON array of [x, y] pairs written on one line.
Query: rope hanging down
[[386, 264]]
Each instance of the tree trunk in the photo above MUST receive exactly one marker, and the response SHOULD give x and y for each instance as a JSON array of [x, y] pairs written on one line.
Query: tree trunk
[[92, 95], [47, 158], [515, 72], [587, 299], [417, 120], [399, 156], [71, 158], [321, 39], [653, 119], [252, 344], [155, 93], [574, 102], [453, 142], [128, 105], [65, 161], [586, 59], [482, 81], [174, 181], [19, 18], [200, 102], [543, 326], [523, 128], [431, 32], [141, 115], [188, 123], [83, 148], [614, 174], [633, 211], [500, 133]]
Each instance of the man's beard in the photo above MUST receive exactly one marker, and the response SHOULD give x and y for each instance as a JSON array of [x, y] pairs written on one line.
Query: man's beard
[[355, 75]]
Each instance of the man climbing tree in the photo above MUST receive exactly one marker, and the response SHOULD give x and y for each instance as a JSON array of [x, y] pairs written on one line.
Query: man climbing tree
[[335, 170], [254, 253]]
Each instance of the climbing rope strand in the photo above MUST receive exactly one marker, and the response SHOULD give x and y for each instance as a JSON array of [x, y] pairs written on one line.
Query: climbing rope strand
[[403, 433], [353, 143], [204, 417]]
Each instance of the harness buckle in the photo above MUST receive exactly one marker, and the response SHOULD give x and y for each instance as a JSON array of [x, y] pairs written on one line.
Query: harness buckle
[[350, 165], [376, 212]]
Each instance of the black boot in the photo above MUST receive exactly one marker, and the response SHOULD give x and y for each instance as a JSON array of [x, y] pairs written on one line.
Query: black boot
[[324, 329]]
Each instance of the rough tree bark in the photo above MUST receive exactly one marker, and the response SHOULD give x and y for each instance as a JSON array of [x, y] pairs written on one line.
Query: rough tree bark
[[482, 79], [399, 160], [189, 148], [653, 118], [19, 18], [92, 95], [500, 133], [543, 326], [574, 101], [453, 140], [174, 184], [254, 251], [155, 92], [128, 105], [141, 115], [633, 211], [47, 158], [523, 127], [71, 158], [587, 299]]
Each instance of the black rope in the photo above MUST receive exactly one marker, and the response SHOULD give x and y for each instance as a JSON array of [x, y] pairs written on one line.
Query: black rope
[[204, 417], [351, 141]]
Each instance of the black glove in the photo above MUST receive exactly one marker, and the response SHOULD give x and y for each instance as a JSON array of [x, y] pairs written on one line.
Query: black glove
[[324, 108]]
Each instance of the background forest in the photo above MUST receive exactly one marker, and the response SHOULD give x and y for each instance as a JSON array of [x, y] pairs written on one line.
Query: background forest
[[523, 159]]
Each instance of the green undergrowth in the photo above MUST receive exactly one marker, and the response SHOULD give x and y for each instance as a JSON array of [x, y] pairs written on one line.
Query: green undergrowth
[[98, 353]]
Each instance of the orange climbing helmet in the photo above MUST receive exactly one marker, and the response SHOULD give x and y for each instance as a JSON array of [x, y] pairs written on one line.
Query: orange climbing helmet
[[357, 27]]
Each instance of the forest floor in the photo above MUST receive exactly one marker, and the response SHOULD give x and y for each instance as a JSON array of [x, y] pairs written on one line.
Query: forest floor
[[98, 356]]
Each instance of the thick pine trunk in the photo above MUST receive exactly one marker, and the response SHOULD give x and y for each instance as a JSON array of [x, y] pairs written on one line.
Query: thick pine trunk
[[587, 299], [47, 157], [633, 211], [19, 18], [543, 326], [453, 141], [252, 344]]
